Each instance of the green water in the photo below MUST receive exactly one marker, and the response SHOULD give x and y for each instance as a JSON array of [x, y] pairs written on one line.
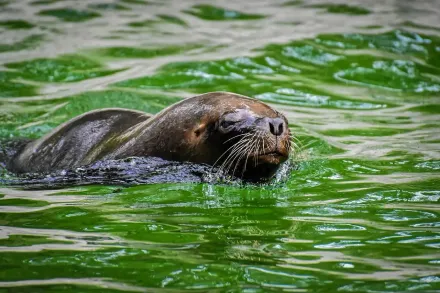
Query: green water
[[359, 83]]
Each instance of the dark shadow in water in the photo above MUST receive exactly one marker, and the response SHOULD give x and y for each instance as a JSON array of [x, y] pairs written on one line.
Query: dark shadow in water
[[125, 172]]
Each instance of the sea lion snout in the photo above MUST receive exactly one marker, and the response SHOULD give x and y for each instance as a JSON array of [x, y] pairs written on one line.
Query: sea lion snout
[[256, 141], [272, 126], [276, 137]]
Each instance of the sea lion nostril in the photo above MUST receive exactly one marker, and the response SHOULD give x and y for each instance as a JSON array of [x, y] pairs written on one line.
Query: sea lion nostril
[[276, 126], [272, 128]]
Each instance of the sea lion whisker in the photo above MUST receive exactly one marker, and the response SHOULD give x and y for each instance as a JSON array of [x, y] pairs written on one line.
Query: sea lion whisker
[[238, 135], [301, 149], [237, 156], [251, 147], [229, 163], [245, 152], [243, 141], [238, 143], [305, 146], [234, 145], [264, 147], [263, 137], [296, 140], [295, 145], [271, 143], [298, 144], [233, 153], [256, 148], [291, 148], [225, 167], [240, 152], [291, 143], [238, 159]]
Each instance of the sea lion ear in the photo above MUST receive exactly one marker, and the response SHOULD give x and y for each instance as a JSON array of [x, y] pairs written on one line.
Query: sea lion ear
[[200, 129]]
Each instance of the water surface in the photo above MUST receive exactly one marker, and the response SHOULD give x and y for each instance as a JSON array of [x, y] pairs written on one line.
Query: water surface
[[359, 82]]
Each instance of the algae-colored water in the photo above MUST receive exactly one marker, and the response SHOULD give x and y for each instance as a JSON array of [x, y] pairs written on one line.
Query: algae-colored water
[[359, 82]]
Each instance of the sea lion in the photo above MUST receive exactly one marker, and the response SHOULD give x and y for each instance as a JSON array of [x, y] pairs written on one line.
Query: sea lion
[[241, 135]]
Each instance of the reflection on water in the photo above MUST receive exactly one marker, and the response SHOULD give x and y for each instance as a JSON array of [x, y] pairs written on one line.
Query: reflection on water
[[359, 82]]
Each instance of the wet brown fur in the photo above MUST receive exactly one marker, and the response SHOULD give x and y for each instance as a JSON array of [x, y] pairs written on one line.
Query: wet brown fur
[[181, 132]]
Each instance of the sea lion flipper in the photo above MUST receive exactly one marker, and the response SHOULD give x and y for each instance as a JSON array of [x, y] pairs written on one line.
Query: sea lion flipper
[[69, 144]]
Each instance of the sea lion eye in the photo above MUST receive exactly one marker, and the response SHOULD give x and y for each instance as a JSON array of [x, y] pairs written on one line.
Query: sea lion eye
[[227, 123]]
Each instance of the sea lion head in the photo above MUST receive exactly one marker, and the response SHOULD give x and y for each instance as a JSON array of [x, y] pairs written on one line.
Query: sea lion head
[[240, 135]]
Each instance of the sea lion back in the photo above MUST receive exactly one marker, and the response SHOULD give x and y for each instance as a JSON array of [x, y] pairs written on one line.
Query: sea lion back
[[76, 142]]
